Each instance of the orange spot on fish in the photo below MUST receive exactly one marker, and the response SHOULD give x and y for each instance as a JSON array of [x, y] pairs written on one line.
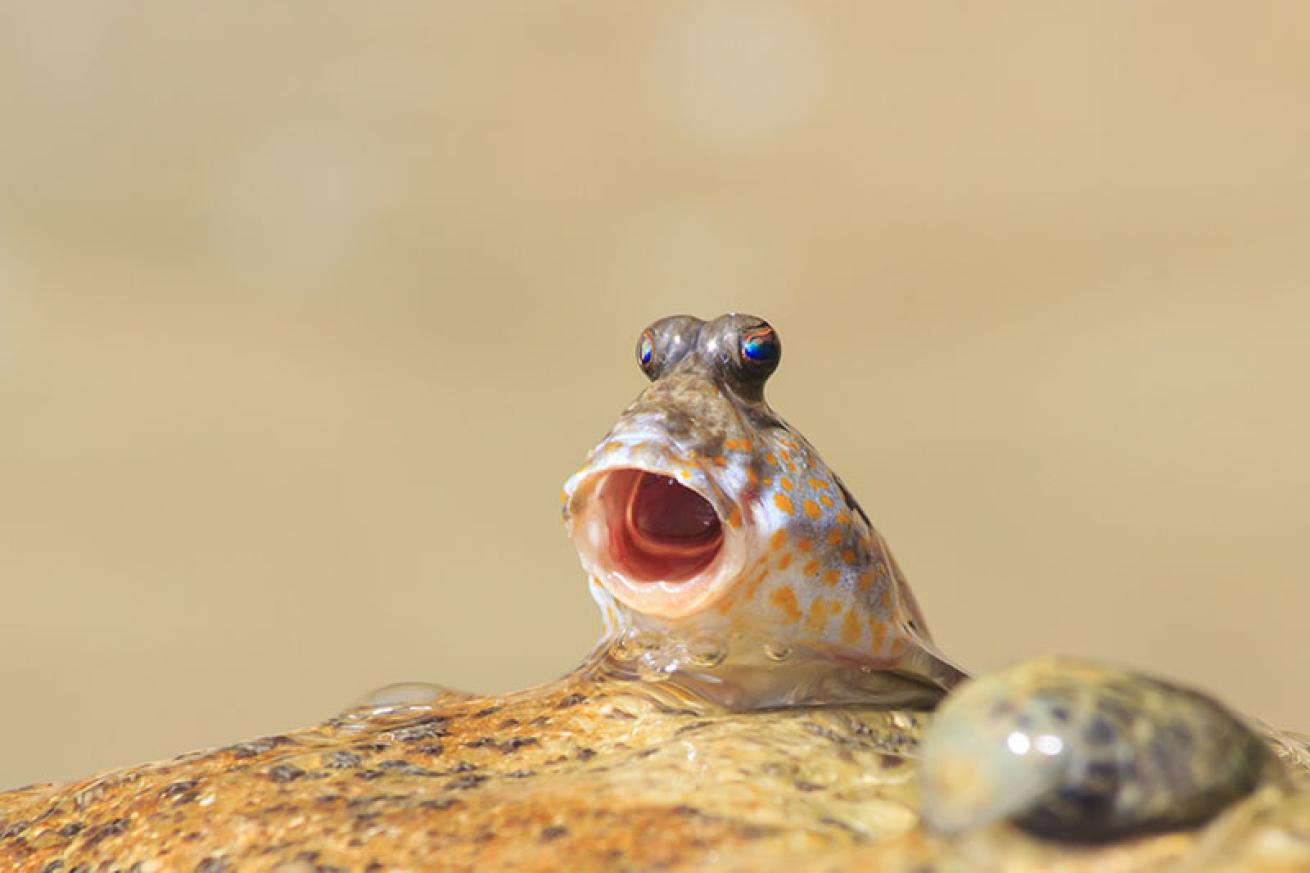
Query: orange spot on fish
[[752, 478], [830, 578], [785, 483], [865, 580], [791, 466], [848, 556], [754, 584], [684, 473], [785, 561], [811, 568], [812, 509], [842, 517], [825, 500], [818, 616], [783, 502], [771, 459], [734, 518], [878, 631], [834, 537], [818, 483], [885, 598], [850, 628], [726, 603], [785, 599], [779, 537], [804, 544], [784, 454]]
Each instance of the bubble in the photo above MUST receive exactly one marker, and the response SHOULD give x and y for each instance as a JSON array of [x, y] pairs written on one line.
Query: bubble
[[777, 651], [651, 670], [646, 641], [706, 651], [625, 648], [404, 694]]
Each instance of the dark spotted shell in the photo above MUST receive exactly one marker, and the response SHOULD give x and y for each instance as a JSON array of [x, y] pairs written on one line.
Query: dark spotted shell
[[1074, 752]]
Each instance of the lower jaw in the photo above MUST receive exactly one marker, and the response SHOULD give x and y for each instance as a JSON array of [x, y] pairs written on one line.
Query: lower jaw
[[660, 601]]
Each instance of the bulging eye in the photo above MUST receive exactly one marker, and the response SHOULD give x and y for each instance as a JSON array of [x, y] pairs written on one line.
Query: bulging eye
[[760, 347], [666, 342], [645, 350]]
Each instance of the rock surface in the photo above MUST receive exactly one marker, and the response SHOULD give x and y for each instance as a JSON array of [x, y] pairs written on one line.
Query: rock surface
[[588, 773]]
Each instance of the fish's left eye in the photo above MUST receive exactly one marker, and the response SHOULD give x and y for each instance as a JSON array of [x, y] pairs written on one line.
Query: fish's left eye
[[761, 347]]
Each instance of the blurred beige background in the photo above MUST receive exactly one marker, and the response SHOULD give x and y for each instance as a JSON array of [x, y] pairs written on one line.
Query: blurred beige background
[[307, 309]]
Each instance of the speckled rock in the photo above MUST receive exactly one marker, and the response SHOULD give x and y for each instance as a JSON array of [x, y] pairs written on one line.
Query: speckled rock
[[589, 773]]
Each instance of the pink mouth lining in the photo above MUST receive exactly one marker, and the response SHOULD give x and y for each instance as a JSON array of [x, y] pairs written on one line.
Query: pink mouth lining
[[660, 530]]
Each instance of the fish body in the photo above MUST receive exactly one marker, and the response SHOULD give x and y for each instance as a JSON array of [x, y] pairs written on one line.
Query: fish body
[[709, 524]]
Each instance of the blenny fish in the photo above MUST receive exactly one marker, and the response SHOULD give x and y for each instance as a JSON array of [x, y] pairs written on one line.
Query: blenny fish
[[722, 550]]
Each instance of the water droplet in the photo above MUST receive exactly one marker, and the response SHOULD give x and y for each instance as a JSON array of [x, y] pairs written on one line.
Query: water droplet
[[623, 649], [405, 694], [400, 697], [653, 671], [777, 651], [646, 641], [706, 651]]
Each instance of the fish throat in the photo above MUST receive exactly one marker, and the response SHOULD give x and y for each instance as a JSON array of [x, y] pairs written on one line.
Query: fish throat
[[660, 530]]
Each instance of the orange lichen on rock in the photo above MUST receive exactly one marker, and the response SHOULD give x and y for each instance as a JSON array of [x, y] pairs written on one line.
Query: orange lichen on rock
[[553, 779]]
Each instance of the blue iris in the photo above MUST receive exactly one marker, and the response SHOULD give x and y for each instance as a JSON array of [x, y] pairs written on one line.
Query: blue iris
[[761, 347], [646, 350]]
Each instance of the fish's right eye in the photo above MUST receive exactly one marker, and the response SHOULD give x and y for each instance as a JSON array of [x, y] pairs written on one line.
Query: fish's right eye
[[666, 342], [646, 351]]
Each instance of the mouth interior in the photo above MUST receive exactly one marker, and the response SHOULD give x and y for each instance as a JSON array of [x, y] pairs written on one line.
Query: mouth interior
[[666, 532]]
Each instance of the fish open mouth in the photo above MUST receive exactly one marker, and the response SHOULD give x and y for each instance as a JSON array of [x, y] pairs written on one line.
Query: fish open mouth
[[658, 544], [666, 531]]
